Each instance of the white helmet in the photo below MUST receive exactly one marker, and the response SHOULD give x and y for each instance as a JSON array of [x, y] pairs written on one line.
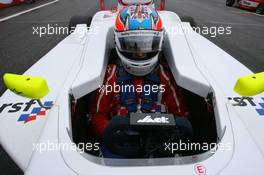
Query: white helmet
[[138, 38], [139, 68]]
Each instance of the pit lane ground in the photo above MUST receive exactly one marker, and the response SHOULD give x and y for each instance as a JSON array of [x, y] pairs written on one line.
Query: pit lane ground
[[20, 49]]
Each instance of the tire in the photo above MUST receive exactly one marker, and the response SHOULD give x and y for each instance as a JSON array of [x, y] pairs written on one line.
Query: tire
[[75, 20], [230, 3], [260, 9]]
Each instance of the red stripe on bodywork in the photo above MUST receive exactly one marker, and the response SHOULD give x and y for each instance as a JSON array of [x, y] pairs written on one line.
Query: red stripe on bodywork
[[247, 7]]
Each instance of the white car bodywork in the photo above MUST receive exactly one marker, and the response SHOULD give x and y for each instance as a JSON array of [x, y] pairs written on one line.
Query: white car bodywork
[[77, 65]]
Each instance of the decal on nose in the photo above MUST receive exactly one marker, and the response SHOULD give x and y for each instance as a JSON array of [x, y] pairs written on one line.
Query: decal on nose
[[36, 112], [261, 110]]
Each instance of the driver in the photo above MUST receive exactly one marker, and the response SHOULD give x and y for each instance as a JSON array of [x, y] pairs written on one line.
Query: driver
[[139, 38]]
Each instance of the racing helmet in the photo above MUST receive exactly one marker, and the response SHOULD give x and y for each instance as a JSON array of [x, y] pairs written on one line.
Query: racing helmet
[[138, 37]]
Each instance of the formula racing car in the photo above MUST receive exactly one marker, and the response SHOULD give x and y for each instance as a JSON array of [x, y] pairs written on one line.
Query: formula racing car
[[44, 116], [255, 5], [9, 3]]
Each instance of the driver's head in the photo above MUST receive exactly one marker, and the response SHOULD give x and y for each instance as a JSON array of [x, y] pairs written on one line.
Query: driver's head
[[138, 36]]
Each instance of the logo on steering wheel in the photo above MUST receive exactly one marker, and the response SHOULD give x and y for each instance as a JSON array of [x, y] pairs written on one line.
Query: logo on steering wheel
[[148, 119]]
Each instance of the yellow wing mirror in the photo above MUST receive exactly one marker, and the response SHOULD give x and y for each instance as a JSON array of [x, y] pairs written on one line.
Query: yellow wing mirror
[[250, 85], [27, 86]]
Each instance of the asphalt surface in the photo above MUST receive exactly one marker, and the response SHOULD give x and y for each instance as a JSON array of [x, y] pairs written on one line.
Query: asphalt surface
[[20, 48], [247, 38]]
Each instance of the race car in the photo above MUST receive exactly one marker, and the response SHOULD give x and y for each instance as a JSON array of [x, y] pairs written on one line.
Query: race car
[[9, 3], [46, 132], [255, 5]]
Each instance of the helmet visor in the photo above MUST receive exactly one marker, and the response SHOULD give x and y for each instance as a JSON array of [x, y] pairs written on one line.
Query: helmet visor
[[139, 56], [131, 2], [139, 42]]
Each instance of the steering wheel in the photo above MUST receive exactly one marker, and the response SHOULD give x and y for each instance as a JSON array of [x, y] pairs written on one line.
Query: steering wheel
[[121, 140]]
